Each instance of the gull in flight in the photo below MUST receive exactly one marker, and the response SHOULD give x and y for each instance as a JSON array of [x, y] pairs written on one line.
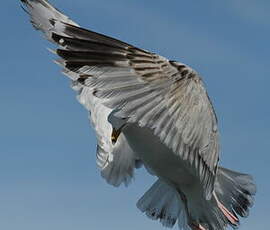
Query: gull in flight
[[152, 112]]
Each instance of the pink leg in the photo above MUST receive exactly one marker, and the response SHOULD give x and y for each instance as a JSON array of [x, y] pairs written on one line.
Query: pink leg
[[197, 227], [230, 216]]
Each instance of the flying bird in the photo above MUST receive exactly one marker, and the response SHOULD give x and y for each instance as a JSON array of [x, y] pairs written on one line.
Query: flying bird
[[149, 111]]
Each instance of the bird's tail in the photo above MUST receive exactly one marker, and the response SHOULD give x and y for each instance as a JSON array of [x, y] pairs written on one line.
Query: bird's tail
[[162, 202], [235, 194], [232, 197]]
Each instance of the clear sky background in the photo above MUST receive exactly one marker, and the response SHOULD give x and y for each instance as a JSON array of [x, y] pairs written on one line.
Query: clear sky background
[[48, 176]]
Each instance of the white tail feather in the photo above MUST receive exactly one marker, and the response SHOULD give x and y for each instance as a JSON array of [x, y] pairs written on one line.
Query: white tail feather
[[235, 191], [161, 202]]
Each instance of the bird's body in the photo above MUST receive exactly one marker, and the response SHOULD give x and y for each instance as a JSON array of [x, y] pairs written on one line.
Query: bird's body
[[157, 157], [148, 110], [162, 162]]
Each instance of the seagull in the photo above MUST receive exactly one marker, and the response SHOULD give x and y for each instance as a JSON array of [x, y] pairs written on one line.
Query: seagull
[[149, 111]]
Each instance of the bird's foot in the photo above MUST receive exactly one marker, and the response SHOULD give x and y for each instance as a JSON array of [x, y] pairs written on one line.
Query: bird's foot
[[196, 226]]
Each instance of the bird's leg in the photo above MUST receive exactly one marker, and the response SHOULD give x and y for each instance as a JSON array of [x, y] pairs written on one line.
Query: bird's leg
[[196, 226], [230, 216]]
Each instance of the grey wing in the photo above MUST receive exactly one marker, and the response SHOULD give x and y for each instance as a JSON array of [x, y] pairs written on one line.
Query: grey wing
[[166, 96], [172, 101], [147, 89], [116, 161]]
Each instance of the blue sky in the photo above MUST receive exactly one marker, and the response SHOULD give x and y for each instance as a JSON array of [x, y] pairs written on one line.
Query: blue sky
[[48, 175]]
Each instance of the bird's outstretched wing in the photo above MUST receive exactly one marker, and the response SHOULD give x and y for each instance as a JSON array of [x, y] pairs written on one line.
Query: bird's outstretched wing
[[141, 87], [115, 160]]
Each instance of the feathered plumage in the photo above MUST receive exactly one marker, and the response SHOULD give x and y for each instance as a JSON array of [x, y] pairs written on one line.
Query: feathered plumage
[[149, 110]]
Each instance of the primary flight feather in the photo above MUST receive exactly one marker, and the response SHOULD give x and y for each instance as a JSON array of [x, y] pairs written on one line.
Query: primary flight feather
[[148, 110]]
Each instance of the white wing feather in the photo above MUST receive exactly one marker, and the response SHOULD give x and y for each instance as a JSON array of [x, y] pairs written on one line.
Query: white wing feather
[[116, 162], [140, 86]]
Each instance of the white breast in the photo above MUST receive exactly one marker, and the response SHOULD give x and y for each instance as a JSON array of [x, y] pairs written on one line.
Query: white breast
[[158, 157]]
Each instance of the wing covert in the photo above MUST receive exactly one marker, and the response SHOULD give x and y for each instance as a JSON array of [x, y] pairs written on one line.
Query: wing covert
[[140, 86], [167, 96]]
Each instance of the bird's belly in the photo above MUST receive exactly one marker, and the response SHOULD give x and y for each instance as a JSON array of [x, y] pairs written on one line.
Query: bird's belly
[[157, 156]]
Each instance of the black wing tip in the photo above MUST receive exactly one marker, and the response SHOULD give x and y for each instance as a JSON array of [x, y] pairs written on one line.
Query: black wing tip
[[27, 1], [23, 8]]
